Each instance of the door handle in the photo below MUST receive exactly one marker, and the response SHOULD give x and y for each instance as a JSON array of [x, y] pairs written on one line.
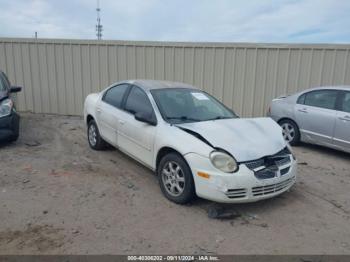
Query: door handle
[[345, 118], [122, 122], [98, 110], [304, 110]]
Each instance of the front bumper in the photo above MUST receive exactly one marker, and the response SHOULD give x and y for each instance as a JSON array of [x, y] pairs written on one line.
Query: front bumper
[[9, 126], [239, 187]]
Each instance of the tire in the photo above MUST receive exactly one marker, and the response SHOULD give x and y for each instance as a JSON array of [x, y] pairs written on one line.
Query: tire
[[14, 138], [291, 131], [176, 184], [94, 138]]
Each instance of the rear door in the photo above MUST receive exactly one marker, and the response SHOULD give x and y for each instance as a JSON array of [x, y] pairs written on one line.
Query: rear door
[[342, 126], [108, 112], [316, 115]]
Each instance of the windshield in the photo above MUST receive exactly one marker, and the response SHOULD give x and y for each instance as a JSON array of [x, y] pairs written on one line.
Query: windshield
[[179, 105], [2, 85]]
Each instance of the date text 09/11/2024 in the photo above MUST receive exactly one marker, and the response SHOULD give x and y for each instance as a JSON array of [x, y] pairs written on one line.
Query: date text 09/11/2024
[[173, 258]]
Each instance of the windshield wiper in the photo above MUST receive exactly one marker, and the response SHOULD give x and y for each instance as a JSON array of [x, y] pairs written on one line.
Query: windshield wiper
[[184, 118], [220, 117]]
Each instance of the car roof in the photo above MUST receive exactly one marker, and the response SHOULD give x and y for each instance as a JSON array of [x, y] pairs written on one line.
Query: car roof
[[146, 84], [340, 87]]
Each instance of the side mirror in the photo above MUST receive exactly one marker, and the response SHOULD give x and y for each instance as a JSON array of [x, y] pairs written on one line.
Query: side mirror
[[15, 89], [146, 118]]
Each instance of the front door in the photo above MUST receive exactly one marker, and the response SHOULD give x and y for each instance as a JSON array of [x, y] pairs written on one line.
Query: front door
[[134, 137], [342, 126]]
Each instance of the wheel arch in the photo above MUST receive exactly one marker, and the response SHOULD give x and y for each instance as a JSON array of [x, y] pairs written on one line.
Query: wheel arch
[[89, 117], [164, 151], [298, 137], [289, 119]]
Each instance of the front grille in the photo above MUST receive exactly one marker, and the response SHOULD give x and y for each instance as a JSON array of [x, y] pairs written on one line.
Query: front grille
[[272, 188], [265, 173], [236, 193], [255, 164], [284, 171], [283, 161], [267, 167]]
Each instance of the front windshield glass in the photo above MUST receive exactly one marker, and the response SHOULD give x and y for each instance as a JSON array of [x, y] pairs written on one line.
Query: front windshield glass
[[182, 105], [2, 86]]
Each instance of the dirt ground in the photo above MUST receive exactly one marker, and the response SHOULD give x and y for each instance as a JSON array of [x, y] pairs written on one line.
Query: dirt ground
[[57, 196]]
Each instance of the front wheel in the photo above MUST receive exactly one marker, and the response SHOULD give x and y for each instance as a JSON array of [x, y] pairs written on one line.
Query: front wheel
[[175, 179], [290, 132]]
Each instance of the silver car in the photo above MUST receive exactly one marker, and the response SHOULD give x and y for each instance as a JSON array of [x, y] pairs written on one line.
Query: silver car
[[318, 115]]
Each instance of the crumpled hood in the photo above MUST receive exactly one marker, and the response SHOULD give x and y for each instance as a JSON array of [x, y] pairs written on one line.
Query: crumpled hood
[[246, 139]]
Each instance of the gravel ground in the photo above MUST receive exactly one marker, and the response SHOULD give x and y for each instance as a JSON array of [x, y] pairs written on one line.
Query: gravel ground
[[60, 197]]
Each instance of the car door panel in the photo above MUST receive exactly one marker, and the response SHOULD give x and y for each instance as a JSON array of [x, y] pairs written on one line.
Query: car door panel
[[316, 124], [317, 115], [342, 126], [108, 112], [107, 122], [134, 137]]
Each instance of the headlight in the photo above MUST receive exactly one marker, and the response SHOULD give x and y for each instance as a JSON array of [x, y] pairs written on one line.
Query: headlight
[[223, 161], [5, 107]]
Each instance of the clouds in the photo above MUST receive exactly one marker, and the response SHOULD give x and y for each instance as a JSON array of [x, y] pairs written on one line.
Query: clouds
[[181, 20]]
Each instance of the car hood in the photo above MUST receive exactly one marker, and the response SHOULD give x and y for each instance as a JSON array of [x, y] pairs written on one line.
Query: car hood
[[245, 139]]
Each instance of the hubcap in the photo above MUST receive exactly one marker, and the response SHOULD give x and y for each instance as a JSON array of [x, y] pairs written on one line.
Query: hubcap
[[92, 135], [288, 132], [173, 178]]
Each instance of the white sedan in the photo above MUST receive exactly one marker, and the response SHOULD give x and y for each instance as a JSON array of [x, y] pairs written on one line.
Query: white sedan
[[195, 144]]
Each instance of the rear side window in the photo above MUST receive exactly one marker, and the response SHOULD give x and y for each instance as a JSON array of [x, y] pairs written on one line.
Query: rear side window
[[346, 102], [114, 96], [138, 101], [322, 98]]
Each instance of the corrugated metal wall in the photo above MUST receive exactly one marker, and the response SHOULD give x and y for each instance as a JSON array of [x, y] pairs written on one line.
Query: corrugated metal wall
[[58, 74]]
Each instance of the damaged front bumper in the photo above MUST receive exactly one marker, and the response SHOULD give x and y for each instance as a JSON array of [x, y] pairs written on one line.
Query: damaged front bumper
[[249, 184]]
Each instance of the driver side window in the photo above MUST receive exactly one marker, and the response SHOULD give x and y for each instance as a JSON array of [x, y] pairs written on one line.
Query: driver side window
[[138, 101], [346, 103]]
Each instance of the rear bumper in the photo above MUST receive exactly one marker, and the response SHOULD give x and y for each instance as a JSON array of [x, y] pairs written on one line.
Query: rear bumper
[[9, 126]]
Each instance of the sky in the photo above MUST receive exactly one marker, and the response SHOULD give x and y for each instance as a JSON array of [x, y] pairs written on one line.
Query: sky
[[268, 21]]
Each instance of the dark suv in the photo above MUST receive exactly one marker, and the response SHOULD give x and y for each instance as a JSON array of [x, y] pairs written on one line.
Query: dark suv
[[9, 119]]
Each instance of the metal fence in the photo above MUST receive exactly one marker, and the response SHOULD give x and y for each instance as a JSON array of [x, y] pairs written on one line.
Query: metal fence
[[57, 75]]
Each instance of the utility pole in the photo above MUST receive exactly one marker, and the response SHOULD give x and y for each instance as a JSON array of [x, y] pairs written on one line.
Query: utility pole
[[99, 27]]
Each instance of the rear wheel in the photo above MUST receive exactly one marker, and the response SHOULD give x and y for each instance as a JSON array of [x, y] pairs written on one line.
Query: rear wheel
[[175, 179], [290, 131], [95, 140]]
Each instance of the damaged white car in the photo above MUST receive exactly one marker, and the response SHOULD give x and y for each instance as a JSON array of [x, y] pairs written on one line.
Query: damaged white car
[[195, 144]]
